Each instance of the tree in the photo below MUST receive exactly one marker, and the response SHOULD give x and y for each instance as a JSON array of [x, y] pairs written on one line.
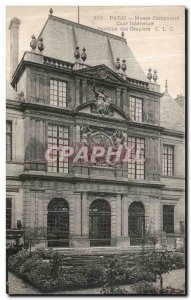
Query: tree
[[33, 235], [112, 275], [159, 263]]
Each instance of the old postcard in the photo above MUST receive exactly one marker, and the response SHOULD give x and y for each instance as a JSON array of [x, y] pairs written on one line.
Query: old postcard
[[95, 144]]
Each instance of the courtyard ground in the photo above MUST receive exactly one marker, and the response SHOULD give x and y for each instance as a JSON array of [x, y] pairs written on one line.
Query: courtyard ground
[[17, 286]]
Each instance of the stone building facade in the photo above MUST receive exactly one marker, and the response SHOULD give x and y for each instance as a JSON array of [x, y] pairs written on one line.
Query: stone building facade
[[64, 94]]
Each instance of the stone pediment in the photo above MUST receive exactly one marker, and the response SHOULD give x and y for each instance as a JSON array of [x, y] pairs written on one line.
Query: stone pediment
[[113, 111], [101, 72]]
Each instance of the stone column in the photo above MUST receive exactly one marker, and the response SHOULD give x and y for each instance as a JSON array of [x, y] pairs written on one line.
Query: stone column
[[118, 215], [85, 221], [78, 214], [118, 97], [125, 208], [149, 159], [157, 159], [80, 236], [77, 88], [84, 86], [123, 240], [124, 101], [77, 134]]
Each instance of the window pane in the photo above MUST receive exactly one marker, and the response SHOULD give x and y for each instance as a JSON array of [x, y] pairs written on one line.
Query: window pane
[[168, 160], [136, 163], [58, 93], [136, 109], [168, 218], [8, 212], [57, 137]]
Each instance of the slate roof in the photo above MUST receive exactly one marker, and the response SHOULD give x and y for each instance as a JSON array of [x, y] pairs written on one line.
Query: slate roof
[[62, 36], [171, 114]]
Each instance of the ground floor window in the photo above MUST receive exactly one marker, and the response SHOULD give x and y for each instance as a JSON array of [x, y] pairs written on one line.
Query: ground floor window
[[100, 223], [8, 213], [58, 223], [168, 218], [136, 223]]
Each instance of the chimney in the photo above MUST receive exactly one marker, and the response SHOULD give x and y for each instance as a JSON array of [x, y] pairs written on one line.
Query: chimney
[[14, 45]]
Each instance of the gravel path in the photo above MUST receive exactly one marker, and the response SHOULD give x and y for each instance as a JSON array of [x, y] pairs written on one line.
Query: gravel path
[[17, 286]]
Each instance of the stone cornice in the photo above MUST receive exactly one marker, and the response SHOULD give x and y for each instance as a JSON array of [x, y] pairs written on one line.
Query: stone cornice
[[74, 179], [53, 69]]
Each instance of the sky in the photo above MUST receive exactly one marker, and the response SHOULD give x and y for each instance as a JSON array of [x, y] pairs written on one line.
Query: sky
[[159, 44]]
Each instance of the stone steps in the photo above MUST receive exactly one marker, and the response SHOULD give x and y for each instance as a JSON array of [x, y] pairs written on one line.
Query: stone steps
[[80, 260]]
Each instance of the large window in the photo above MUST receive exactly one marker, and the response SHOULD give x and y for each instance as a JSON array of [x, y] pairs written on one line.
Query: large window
[[168, 160], [136, 163], [168, 218], [136, 223], [8, 213], [57, 139], [57, 93], [136, 109], [8, 140], [100, 223], [58, 223]]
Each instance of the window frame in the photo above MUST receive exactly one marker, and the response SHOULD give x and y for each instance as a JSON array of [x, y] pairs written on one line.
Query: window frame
[[11, 212], [167, 218], [9, 134], [58, 139], [52, 100], [134, 115], [167, 172], [135, 164]]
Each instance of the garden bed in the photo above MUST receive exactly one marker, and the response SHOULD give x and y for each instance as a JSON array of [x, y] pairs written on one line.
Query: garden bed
[[47, 271]]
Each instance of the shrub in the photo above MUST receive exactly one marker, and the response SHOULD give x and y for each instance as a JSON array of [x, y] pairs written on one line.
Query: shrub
[[17, 260], [145, 287], [94, 274], [178, 260], [137, 274], [47, 270], [114, 291], [172, 291]]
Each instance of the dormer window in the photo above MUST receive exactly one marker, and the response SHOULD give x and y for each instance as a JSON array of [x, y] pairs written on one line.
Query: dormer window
[[136, 109], [57, 93]]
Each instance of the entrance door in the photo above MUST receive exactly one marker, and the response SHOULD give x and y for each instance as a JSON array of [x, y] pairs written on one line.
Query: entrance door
[[136, 223], [100, 223], [58, 223]]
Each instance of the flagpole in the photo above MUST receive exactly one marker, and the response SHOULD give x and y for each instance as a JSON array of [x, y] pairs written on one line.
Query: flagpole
[[78, 14]]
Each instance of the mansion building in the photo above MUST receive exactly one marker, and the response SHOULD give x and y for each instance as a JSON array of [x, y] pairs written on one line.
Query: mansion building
[[81, 86]]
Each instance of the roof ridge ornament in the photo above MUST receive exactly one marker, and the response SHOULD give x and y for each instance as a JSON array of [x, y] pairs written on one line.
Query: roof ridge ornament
[[77, 54], [155, 76], [33, 43], [117, 64], [124, 66], [83, 55], [80, 63], [40, 45], [149, 74], [51, 11]]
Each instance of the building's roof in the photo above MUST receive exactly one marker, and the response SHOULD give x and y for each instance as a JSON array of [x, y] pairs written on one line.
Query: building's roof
[[171, 114], [11, 94], [62, 36], [180, 99]]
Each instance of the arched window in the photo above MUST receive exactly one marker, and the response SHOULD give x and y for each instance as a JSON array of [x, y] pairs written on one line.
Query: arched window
[[100, 223], [136, 223], [58, 223]]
